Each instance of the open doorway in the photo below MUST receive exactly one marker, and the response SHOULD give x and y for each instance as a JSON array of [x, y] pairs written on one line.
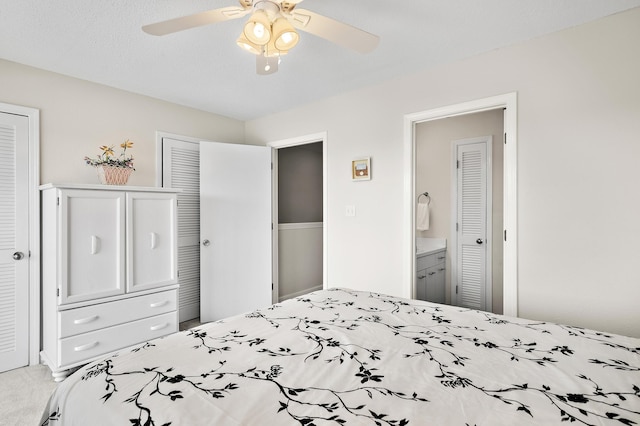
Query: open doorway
[[300, 220], [300, 212], [438, 168], [509, 235]]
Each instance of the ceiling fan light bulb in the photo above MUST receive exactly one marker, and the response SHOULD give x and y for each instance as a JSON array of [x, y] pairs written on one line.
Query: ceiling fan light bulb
[[287, 37], [284, 34], [258, 28]]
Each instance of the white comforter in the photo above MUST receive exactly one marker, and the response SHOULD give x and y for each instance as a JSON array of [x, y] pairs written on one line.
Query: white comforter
[[343, 357]]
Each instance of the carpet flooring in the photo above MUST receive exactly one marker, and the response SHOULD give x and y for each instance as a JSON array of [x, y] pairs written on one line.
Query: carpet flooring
[[24, 392]]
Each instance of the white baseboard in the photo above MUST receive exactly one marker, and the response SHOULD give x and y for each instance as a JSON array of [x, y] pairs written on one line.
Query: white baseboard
[[299, 293]]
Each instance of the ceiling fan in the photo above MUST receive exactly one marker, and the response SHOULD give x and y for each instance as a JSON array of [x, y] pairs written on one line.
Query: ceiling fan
[[270, 31]]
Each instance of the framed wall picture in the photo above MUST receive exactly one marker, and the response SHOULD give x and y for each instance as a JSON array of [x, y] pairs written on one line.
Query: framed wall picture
[[361, 169]]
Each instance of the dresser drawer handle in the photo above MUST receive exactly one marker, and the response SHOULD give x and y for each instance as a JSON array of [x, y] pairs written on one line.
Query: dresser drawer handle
[[85, 347], [158, 327], [432, 273], [441, 257], [85, 320], [158, 304]]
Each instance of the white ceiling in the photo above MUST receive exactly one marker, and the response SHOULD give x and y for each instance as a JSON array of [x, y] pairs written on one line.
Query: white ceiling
[[101, 41]]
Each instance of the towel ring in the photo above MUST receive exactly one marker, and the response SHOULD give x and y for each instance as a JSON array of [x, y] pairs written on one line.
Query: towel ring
[[426, 194]]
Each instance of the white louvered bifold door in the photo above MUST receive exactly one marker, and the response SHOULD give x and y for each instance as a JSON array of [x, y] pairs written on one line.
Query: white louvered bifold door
[[14, 241], [181, 170], [472, 225]]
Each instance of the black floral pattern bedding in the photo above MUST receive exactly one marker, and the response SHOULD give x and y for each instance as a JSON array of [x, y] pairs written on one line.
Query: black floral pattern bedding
[[343, 357]]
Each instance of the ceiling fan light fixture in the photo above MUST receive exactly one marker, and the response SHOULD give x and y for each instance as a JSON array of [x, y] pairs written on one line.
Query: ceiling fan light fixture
[[258, 28], [248, 46], [284, 35], [271, 51]]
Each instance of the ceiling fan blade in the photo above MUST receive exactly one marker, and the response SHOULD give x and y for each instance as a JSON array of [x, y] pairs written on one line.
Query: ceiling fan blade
[[335, 31], [195, 20]]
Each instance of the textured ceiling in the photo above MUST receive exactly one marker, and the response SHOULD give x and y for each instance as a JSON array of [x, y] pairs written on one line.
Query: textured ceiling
[[101, 41]]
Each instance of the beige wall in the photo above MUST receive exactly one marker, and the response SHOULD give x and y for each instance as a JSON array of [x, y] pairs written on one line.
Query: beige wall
[[578, 127], [300, 184], [299, 260], [77, 116], [433, 174]]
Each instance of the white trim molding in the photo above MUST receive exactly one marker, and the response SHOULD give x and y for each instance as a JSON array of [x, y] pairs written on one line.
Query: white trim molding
[[508, 102], [299, 225]]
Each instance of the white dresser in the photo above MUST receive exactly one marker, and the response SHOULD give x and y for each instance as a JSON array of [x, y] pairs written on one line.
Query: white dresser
[[109, 270]]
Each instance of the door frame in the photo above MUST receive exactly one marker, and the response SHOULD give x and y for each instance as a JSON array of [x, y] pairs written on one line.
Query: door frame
[[33, 115], [508, 102], [455, 206], [286, 143]]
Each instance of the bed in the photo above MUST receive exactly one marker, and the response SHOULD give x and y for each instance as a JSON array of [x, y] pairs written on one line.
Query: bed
[[344, 357]]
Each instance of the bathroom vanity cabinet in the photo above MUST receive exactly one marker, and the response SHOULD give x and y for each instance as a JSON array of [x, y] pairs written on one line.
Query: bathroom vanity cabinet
[[431, 270]]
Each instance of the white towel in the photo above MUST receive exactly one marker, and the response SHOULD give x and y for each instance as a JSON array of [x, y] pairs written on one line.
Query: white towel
[[422, 217]]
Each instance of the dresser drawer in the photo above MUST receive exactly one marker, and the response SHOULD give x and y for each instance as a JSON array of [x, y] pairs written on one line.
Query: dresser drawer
[[90, 318], [90, 345], [430, 260]]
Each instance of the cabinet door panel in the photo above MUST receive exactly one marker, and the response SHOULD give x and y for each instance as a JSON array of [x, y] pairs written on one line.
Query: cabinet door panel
[[435, 288], [151, 242], [92, 238]]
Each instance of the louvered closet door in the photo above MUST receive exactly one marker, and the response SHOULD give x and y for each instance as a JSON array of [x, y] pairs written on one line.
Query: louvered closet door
[[181, 170], [14, 239], [472, 248]]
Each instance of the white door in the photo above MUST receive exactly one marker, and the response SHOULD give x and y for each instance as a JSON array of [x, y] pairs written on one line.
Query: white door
[[181, 170], [471, 277], [235, 229], [14, 241]]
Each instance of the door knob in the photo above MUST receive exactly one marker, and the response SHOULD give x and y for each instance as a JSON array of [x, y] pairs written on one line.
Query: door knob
[[18, 255], [479, 241], [206, 243]]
